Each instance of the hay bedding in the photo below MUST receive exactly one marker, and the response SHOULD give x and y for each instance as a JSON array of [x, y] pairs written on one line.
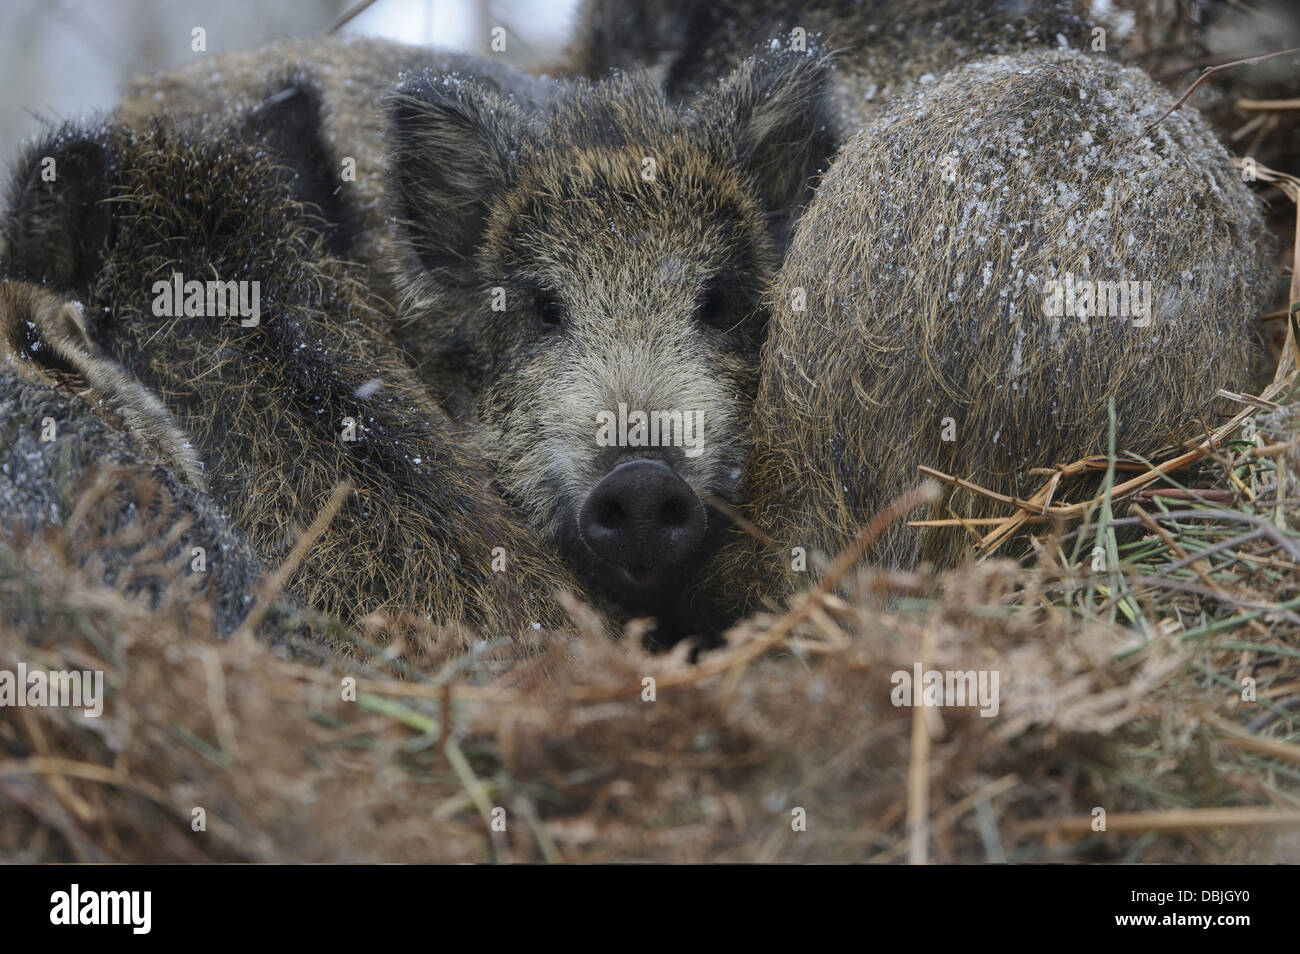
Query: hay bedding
[[559, 735], [1162, 690]]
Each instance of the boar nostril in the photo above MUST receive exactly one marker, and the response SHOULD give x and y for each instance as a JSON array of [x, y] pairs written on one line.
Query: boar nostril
[[674, 513], [611, 515], [642, 516]]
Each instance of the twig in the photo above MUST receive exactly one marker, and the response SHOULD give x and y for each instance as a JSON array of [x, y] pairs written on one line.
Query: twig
[[1178, 819], [275, 582], [1204, 494], [1210, 71], [918, 770], [352, 14], [1268, 104]]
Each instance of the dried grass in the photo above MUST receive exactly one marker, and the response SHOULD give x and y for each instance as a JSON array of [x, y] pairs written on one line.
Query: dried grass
[[1119, 691]]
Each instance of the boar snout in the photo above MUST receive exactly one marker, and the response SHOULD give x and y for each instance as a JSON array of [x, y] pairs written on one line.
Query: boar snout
[[642, 518]]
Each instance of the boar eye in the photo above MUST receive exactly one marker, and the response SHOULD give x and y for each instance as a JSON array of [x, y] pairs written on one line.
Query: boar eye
[[550, 312], [713, 310]]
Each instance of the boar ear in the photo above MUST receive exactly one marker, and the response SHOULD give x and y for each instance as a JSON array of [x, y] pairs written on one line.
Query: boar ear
[[290, 121], [57, 222], [774, 118], [452, 143]]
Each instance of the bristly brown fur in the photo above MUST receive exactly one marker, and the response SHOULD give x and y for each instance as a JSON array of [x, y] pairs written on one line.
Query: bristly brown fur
[[656, 230], [88, 452], [39, 331], [882, 49], [264, 406], [349, 76], [926, 297], [498, 180]]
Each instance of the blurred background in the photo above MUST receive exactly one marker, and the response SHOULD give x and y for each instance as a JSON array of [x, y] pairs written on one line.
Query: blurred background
[[66, 58]]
